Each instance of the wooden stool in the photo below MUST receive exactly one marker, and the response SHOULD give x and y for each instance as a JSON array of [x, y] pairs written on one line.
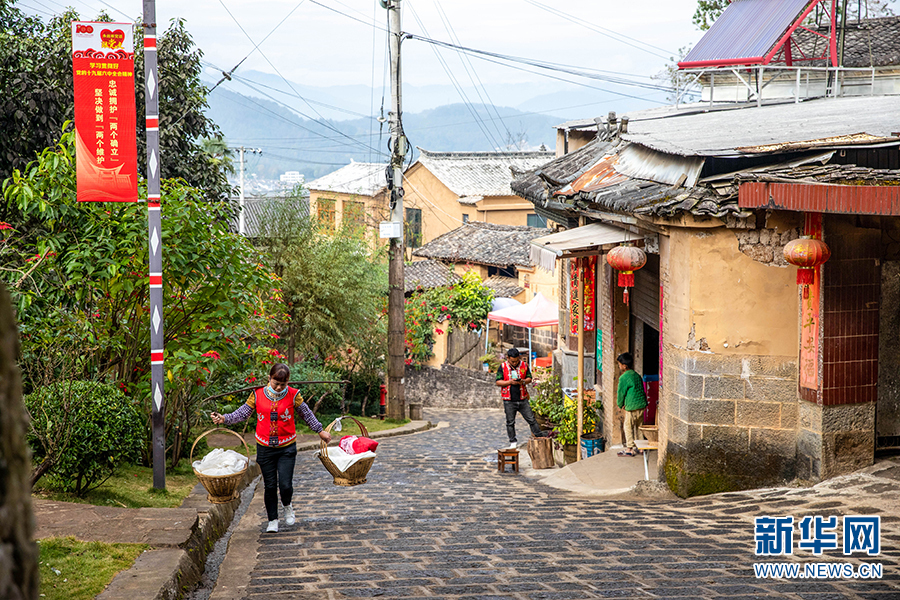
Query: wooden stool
[[507, 457]]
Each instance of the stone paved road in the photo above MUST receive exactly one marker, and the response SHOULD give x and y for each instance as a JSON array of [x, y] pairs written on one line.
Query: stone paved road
[[436, 520]]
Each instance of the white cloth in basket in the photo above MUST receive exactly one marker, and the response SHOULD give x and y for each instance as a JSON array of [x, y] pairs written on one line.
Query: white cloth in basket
[[342, 460], [221, 462]]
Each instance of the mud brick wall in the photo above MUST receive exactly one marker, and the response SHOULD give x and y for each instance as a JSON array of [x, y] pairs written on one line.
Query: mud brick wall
[[452, 387], [731, 421]]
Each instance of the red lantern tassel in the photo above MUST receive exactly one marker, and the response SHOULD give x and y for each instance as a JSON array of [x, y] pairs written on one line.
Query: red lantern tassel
[[626, 280], [806, 276], [626, 297]]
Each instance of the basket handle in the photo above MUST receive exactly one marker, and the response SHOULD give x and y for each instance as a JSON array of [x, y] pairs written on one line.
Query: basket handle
[[362, 429], [205, 433]]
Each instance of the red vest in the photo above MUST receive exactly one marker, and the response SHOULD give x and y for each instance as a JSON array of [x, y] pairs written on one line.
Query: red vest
[[523, 371], [284, 429]]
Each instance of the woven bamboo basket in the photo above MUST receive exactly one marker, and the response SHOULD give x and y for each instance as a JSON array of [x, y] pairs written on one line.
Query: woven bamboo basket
[[355, 473], [220, 488]]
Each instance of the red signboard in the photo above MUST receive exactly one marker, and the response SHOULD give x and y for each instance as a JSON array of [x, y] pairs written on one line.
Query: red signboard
[[809, 318], [105, 135], [588, 266]]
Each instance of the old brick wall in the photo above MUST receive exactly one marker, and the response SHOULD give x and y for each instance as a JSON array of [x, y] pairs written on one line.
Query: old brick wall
[[452, 387], [731, 421]]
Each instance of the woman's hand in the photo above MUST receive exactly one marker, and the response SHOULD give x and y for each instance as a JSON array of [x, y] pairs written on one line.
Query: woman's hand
[[325, 436], [217, 418]]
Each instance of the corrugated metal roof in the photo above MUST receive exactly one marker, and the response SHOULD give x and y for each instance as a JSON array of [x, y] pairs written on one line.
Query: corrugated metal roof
[[817, 197], [356, 178], [721, 133], [479, 173], [747, 29], [640, 162]]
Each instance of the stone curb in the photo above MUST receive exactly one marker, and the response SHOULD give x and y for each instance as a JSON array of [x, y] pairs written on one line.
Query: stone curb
[[180, 569]]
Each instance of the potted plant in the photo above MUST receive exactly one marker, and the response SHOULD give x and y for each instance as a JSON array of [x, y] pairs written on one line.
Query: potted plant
[[566, 433], [546, 399], [489, 362]]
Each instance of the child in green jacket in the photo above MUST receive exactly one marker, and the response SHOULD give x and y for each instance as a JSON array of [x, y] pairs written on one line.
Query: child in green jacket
[[632, 398]]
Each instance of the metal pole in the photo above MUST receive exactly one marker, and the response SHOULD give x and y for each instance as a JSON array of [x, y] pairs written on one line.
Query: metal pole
[[396, 323], [241, 222], [151, 98]]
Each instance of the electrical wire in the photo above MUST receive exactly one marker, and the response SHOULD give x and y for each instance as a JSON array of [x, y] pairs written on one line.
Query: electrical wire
[[473, 76], [481, 125], [615, 35], [320, 120]]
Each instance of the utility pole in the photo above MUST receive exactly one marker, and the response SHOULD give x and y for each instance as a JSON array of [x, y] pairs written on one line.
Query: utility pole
[[154, 224], [242, 229], [396, 408]]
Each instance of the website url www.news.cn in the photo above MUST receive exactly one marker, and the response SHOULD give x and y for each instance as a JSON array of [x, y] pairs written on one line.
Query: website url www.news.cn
[[835, 570]]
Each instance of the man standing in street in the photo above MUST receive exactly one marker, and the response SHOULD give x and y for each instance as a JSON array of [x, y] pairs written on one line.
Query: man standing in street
[[631, 397], [512, 378]]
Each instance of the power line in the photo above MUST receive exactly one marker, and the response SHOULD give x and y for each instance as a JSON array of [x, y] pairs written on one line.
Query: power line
[[459, 90], [602, 30], [470, 70], [483, 55], [321, 120]]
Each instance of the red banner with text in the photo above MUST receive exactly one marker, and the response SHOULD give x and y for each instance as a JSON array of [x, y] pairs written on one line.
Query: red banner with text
[[105, 121]]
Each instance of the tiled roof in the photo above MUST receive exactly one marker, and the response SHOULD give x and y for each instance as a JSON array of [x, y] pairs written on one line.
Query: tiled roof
[[484, 244], [504, 287], [428, 274], [736, 132], [869, 43], [356, 178], [258, 210], [554, 186], [479, 173]]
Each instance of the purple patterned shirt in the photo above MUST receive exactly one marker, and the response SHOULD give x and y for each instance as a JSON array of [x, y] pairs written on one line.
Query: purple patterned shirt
[[247, 409]]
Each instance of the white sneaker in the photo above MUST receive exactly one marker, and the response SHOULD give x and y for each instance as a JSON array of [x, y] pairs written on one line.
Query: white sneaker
[[289, 515], [273, 527], [512, 446]]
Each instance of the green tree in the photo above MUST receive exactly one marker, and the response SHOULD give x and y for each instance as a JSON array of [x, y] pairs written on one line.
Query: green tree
[[332, 286], [707, 12], [36, 79], [78, 276]]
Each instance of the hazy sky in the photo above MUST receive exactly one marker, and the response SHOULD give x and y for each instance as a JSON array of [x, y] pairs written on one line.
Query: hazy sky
[[320, 47]]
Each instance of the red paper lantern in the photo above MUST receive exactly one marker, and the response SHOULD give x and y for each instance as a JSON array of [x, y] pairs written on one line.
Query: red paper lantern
[[626, 259], [806, 253]]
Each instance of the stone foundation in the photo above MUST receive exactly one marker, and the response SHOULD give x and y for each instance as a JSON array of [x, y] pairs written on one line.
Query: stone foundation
[[452, 387], [834, 440], [731, 421]]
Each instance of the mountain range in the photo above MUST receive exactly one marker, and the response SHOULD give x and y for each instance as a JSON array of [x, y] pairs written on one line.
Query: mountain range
[[318, 130]]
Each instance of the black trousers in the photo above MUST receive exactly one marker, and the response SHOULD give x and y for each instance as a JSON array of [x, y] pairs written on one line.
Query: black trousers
[[519, 406], [277, 466]]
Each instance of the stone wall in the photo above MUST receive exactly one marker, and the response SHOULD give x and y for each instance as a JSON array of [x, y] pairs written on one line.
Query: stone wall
[[452, 387], [766, 245], [543, 339], [834, 440], [731, 421]]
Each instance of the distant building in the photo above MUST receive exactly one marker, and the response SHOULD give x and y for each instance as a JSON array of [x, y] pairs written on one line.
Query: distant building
[[291, 177], [444, 190], [353, 195]]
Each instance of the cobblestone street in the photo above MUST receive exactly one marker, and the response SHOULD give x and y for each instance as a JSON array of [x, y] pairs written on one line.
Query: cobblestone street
[[436, 520]]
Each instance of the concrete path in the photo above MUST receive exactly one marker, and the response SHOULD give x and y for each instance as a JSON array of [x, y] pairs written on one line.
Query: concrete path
[[436, 520]]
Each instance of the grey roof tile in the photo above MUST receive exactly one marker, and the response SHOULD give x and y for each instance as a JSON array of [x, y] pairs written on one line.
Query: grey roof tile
[[479, 173], [356, 178], [484, 244], [428, 274]]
